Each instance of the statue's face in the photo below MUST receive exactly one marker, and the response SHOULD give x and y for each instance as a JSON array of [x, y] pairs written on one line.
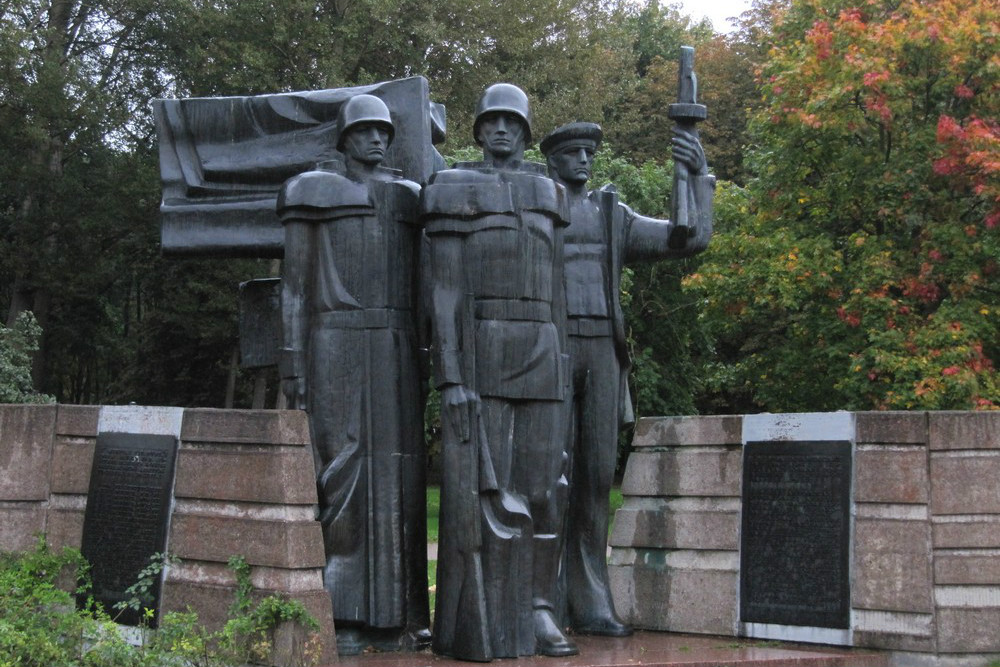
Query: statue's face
[[366, 143], [573, 162], [501, 134]]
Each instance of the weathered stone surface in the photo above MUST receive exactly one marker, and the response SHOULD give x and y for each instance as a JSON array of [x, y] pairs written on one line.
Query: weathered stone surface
[[276, 427], [64, 528], [893, 630], [141, 419], [317, 603], [893, 642], [895, 622], [266, 578], [237, 474], [892, 566], [696, 472], [979, 533], [968, 630], [799, 426], [673, 527], [682, 431], [212, 603], [676, 599], [890, 476], [72, 459], [20, 525], [275, 543], [25, 451], [965, 483], [623, 591], [964, 430], [78, 420], [967, 568], [891, 427]]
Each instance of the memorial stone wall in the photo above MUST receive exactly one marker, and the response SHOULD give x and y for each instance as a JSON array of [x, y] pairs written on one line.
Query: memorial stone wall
[[923, 542], [243, 485], [922, 545]]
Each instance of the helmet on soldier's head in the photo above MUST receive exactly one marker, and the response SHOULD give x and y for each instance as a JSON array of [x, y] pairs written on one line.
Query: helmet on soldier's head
[[363, 109], [504, 97]]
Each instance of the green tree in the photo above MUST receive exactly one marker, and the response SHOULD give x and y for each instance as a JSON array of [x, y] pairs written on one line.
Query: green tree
[[78, 213], [660, 319], [17, 343], [73, 79], [637, 126], [864, 272], [567, 54]]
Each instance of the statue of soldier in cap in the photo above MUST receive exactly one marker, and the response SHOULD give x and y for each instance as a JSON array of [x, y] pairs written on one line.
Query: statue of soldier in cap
[[603, 236], [349, 358], [495, 237]]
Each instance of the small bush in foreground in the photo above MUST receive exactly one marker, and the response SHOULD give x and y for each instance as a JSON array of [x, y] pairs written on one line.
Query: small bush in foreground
[[42, 625]]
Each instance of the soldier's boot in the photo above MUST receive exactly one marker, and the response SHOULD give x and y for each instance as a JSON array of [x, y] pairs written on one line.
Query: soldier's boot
[[591, 608], [549, 637]]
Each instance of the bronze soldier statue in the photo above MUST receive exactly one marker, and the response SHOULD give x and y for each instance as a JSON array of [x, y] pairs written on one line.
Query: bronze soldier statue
[[495, 235], [603, 236], [349, 357]]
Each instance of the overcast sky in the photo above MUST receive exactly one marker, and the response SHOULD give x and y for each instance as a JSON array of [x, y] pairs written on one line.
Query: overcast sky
[[716, 10]]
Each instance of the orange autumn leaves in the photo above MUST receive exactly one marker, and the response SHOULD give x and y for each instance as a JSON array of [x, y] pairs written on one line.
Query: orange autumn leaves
[[878, 163]]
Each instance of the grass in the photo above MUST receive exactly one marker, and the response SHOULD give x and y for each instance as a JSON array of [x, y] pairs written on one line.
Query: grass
[[616, 502], [433, 512]]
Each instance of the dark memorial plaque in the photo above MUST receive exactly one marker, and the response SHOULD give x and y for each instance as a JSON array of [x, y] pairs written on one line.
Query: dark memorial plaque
[[795, 541], [127, 510]]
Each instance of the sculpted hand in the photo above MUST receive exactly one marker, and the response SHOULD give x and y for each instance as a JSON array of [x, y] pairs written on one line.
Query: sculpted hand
[[457, 407], [688, 151], [294, 389]]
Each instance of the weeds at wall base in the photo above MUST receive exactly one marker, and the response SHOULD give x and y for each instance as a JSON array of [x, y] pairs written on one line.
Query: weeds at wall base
[[41, 624]]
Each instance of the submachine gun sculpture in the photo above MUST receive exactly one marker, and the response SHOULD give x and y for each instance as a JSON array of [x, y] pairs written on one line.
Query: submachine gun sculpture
[[686, 112]]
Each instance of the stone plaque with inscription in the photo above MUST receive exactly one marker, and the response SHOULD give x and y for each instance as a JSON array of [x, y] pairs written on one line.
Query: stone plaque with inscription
[[128, 507], [795, 542]]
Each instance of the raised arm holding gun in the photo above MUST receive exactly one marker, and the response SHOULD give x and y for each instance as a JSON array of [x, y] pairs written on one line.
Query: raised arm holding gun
[[604, 235]]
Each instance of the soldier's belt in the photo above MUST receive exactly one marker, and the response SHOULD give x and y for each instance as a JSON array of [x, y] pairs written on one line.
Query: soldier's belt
[[513, 309], [588, 328], [371, 318]]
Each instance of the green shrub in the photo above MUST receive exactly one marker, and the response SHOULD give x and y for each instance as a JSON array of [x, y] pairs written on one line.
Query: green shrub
[[17, 345], [41, 624]]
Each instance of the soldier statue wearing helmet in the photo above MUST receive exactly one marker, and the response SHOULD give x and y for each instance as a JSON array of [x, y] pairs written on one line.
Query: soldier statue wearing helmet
[[349, 358], [494, 230], [503, 111], [364, 132]]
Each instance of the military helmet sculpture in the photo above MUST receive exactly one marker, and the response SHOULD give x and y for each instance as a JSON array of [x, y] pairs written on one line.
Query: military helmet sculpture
[[504, 97], [360, 109]]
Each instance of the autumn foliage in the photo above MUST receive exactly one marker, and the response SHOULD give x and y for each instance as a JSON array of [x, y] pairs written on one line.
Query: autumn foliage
[[864, 269]]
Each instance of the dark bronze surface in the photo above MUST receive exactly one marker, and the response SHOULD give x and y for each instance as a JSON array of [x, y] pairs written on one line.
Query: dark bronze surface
[[260, 322]]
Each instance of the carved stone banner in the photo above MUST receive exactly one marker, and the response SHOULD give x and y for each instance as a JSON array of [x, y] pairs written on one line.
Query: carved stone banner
[[224, 159]]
